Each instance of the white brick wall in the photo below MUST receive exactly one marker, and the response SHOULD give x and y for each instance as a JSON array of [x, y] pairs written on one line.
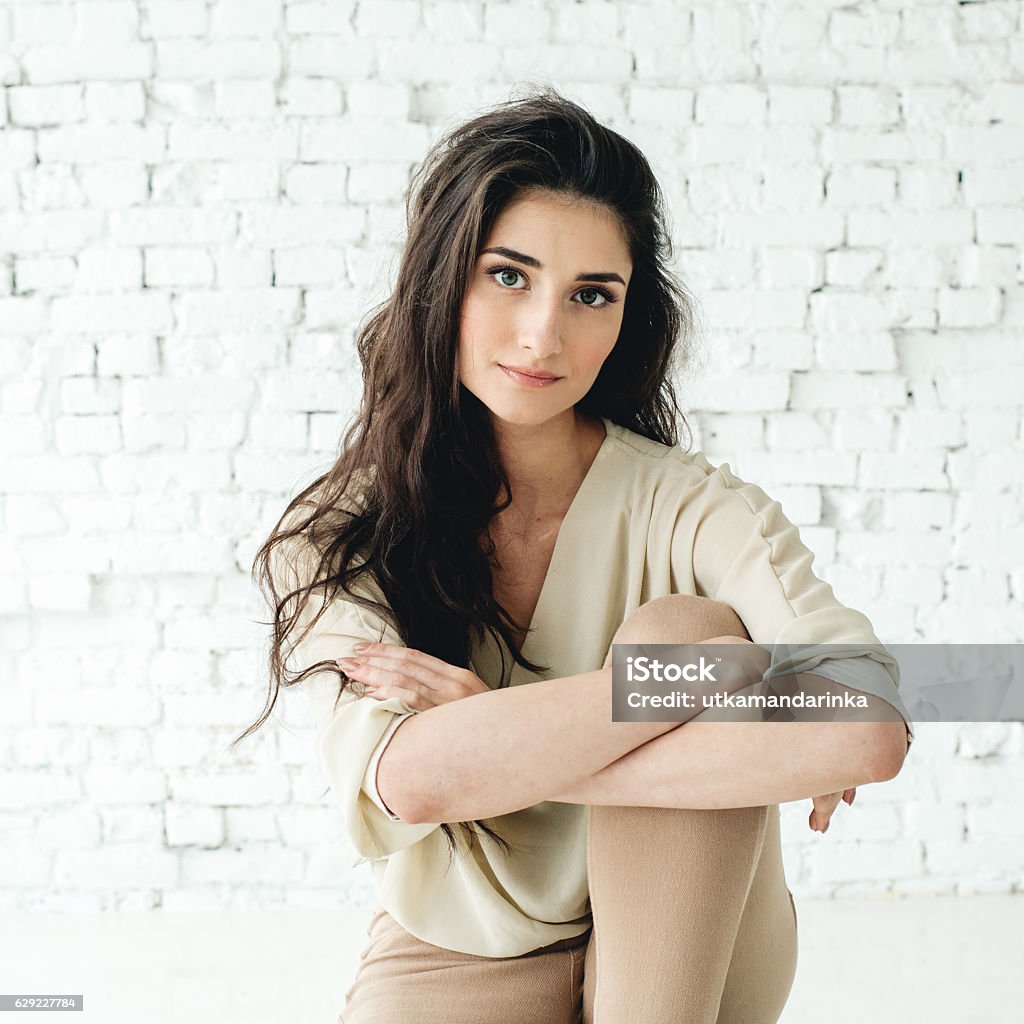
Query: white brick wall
[[198, 202]]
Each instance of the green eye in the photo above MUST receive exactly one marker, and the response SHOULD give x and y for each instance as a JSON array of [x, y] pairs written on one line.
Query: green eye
[[499, 274]]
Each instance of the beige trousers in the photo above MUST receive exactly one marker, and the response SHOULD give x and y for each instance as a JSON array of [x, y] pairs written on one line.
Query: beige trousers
[[693, 924]]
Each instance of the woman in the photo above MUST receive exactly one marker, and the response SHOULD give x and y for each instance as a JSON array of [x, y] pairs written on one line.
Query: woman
[[513, 486]]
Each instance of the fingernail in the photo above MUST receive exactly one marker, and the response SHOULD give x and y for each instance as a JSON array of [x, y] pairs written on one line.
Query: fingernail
[[360, 647], [348, 663]]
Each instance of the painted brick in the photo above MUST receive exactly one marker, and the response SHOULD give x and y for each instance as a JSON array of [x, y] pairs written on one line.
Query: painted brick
[[308, 266], [199, 202], [41, 23], [170, 267], [42, 105], [319, 183], [105, 58], [334, 18], [311, 97], [794, 104], [124, 864], [114, 101], [245, 17], [229, 58], [114, 185], [255, 100], [108, 270], [731, 104], [170, 19], [459, 20]]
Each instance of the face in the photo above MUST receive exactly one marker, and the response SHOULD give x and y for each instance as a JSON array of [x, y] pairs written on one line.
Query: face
[[550, 302]]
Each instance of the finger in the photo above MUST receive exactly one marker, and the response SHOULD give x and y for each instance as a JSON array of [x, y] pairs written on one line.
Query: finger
[[848, 796], [819, 821], [374, 681], [822, 810], [374, 672], [446, 681], [408, 663], [415, 698]]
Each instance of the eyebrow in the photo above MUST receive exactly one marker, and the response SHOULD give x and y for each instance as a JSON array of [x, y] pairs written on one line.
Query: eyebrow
[[530, 261]]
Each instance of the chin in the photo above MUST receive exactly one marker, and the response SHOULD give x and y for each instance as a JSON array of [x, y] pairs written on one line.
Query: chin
[[530, 409], [522, 416], [530, 417]]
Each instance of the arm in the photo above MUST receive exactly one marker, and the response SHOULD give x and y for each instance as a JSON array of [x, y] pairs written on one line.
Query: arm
[[500, 751], [751, 763]]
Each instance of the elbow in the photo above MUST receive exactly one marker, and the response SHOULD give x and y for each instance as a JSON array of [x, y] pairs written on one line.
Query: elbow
[[396, 797], [409, 810], [889, 750], [398, 793], [420, 814], [406, 812]]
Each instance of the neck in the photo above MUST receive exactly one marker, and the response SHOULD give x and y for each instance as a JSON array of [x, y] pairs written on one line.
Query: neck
[[546, 463]]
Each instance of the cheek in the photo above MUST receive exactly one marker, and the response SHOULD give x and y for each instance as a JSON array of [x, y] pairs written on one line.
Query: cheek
[[469, 343], [466, 357], [476, 322], [468, 332], [601, 345]]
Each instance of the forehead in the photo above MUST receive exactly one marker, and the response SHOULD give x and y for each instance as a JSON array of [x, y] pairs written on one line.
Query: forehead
[[563, 226]]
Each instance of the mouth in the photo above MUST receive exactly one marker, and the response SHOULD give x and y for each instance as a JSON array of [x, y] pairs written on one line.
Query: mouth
[[533, 378]]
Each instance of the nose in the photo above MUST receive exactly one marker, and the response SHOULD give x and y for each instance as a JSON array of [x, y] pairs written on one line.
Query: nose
[[540, 329]]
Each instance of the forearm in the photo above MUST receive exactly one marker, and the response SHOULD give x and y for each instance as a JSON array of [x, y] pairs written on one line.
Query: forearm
[[503, 750], [753, 763]]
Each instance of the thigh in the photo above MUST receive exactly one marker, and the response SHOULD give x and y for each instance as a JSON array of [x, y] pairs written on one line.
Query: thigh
[[401, 980]]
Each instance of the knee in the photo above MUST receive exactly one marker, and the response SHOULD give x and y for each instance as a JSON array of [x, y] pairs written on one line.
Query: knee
[[681, 619]]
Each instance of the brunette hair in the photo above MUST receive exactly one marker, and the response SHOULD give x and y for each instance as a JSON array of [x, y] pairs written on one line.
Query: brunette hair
[[421, 444]]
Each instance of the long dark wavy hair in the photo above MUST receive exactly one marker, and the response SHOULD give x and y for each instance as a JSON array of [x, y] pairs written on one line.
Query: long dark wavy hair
[[419, 468]]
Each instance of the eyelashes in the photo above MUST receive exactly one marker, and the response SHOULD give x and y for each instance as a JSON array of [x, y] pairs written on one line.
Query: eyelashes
[[609, 297]]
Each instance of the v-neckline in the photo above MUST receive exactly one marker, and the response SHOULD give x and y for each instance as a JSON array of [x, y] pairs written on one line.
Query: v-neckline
[[552, 566]]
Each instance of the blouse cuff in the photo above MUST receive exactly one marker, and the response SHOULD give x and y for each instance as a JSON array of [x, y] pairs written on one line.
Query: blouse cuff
[[864, 673], [370, 778]]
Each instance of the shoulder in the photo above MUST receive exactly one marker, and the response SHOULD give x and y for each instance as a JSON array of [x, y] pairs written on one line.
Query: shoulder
[[308, 526], [670, 489], [652, 462]]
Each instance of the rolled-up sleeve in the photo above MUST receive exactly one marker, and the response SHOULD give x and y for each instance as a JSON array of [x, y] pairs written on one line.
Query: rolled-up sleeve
[[748, 555], [349, 728], [370, 778], [864, 674]]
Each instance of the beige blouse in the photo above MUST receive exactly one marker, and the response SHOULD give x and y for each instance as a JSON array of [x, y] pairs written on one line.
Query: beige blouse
[[648, 520]]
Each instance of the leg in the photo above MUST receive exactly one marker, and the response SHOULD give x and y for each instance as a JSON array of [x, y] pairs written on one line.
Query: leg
[[764, 958], [402, 979], [679, 619], [702, 897]]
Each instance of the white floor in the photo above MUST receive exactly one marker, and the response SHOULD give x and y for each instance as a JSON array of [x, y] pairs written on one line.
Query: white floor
[[934, 960]]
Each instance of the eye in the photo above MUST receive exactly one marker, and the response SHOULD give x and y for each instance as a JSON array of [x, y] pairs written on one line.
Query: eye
[[595, 297], [605, 297], [498, 273]]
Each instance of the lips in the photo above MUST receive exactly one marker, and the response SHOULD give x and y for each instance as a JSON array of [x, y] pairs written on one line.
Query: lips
[[528, 379], [528, 372]]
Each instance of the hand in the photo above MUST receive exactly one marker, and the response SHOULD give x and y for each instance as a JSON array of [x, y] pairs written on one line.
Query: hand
[[824, 806], [421, 680]]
